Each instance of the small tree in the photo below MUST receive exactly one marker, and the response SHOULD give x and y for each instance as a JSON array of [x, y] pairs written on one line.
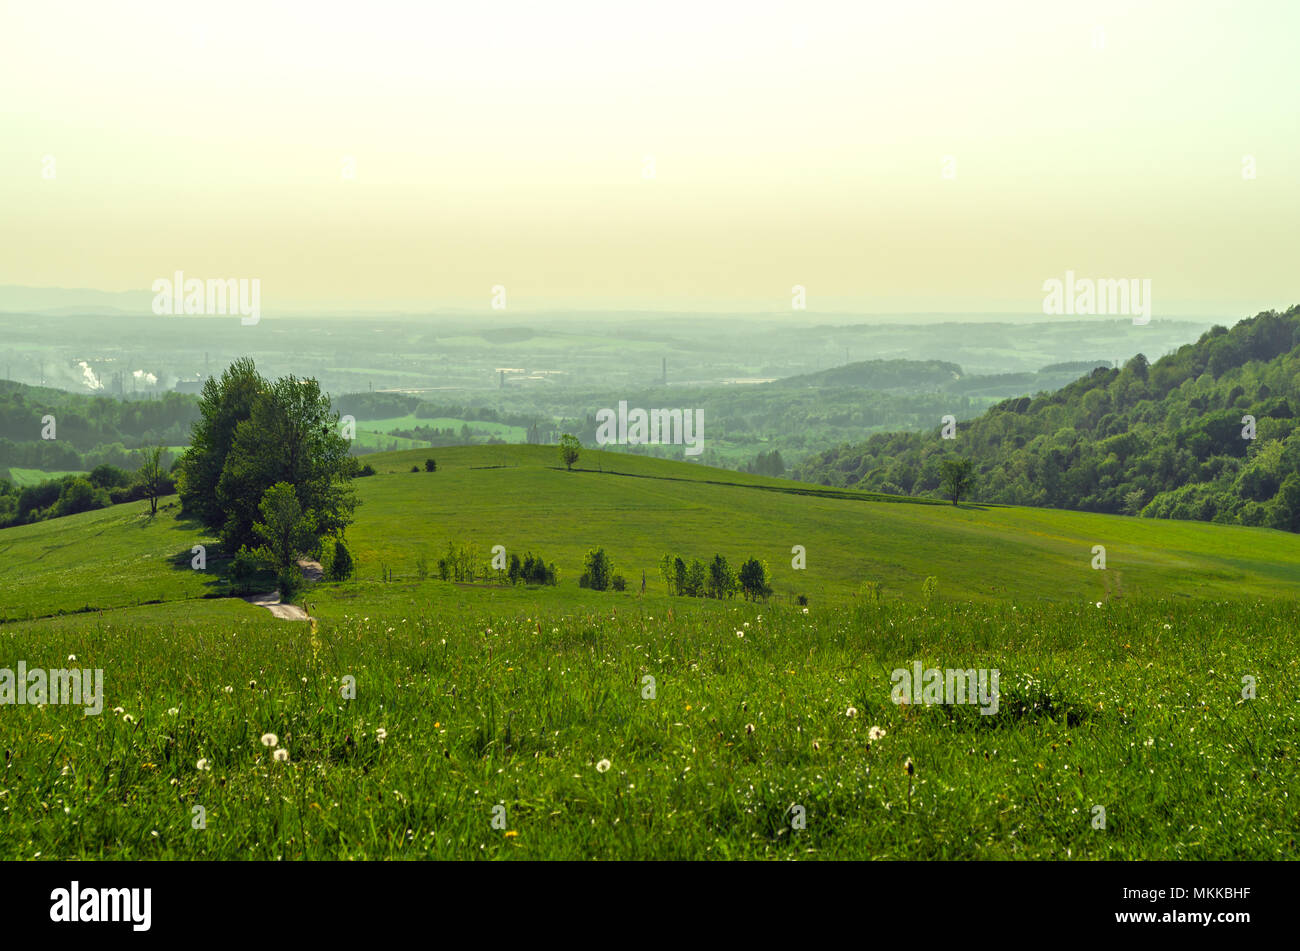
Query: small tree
[[430, 465], [956, 476], [753, 580], [340, 565], [151, 477], [285, 529], [722, 580], [569, 449], [599, 570]]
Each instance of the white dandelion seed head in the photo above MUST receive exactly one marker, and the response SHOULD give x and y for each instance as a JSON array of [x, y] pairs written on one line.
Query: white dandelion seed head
[[203, 765], [876, 733], [281, 755], [270, 739], [603, 766], [851, 712]]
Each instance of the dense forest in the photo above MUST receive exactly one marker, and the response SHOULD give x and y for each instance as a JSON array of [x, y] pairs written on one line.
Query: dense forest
[[1209, 432]]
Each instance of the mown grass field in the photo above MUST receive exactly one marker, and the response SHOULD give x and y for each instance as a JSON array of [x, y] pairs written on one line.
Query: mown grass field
[[490, 696], [25, 477]]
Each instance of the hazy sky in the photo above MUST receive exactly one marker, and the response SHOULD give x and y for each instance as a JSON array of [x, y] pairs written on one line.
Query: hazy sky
[[792, 143]]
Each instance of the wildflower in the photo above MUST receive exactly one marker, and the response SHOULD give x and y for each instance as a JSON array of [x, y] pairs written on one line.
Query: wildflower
[[851, 712], [72, 657], [281, 755], [118, 710], [603, 766], [1098, 604], [740, 633], [908, 767], [128, 718], [381, 734], [229, 689], [203, 765], [749, 729], [512, 833], [270, 739], [172, 711], [876, 733], [816, 746], [1150, 741], [805, 610]]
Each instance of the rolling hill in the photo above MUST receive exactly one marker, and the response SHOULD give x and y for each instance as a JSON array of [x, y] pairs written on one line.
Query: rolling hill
[[639, 508]]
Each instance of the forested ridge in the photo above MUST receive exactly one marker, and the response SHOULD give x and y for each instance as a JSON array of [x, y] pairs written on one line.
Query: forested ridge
[[1170, 439]]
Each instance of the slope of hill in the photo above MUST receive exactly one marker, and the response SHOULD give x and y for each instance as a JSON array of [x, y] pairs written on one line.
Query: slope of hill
[[638, 509], [1210, 432]]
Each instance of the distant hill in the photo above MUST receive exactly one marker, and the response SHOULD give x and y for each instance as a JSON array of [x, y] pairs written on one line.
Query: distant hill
[[1163, 440], [881, 375]]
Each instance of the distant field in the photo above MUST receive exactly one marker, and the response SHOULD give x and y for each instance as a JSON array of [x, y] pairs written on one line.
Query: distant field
[[501, 430], [26, 477]]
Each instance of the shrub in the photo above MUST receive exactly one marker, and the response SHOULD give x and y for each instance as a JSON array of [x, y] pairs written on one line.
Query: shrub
[[289, 580], [339, 564], [599, 570], [430, 465], [415, 468], [365, 470], [619, 583]]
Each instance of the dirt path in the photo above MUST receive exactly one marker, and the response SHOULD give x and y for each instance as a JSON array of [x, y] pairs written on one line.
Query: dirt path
[[312, 571], [271, 601]]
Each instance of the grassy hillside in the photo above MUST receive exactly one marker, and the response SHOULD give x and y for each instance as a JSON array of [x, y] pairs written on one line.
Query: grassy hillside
[[638, 508], [532, 705], [108, 558]]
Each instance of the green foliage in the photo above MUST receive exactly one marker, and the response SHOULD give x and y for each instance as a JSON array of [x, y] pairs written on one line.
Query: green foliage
[[956, 476], [430, 465], [336, 560], [285, 530], [252, 435], [569, 449], [753, 580], [1169, 433], [598, 570]]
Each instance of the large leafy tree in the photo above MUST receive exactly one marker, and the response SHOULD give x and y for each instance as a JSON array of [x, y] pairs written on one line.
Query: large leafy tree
[[291, 436], [253, 434], [225, 403], [956, 476]]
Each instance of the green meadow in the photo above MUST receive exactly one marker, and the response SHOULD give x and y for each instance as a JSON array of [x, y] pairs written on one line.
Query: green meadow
[[1144, 711]]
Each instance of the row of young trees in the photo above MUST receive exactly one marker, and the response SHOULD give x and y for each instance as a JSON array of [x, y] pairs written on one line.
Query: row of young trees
[[717, 579]]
